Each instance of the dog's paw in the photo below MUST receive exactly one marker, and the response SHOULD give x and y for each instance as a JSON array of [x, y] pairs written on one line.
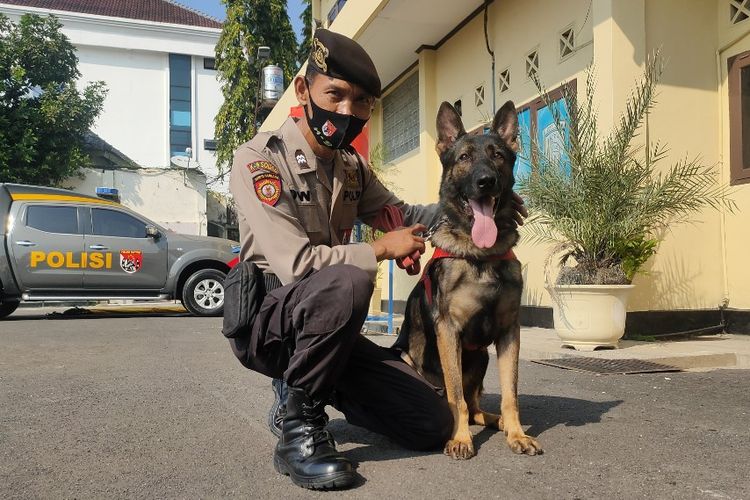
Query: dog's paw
[[523, 444], [459, 449]]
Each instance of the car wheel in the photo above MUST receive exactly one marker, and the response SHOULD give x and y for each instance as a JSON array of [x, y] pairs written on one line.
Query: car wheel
[[203, 293], [7, 308]]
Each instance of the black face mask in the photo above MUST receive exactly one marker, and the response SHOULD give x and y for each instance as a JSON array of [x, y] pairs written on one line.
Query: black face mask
[[332, 130]]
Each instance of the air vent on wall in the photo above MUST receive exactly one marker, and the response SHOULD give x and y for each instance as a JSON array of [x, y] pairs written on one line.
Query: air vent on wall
[[479, 96], [567, 43], [504, 80], [532, 64]]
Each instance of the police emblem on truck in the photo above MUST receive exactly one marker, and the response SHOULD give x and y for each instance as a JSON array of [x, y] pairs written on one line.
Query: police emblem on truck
[[131, 260]]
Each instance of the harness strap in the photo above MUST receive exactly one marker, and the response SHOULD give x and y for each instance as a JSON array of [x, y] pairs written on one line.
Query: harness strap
[[439, 253]]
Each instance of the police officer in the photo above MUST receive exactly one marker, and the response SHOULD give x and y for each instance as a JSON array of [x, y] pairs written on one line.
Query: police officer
[[298, 191]]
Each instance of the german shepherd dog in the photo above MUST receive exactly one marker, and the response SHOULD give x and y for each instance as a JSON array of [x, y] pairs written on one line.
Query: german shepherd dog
[[471, 299]]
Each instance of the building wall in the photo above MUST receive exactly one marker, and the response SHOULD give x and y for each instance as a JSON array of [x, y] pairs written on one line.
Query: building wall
[[132, 58], [687, 270], [134, 119], [698, 265], [206, 103], [455, 69], [732, 40], [152, 193]]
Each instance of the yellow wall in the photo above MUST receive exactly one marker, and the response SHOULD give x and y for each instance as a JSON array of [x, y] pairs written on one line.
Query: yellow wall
[[462, 63], [698, 265], [732, 40]]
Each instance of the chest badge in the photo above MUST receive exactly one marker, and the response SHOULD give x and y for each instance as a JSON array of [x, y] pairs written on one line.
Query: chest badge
[[352, 179], [268, 188]]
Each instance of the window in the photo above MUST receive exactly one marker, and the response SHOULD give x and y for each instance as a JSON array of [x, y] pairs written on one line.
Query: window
[[335, 10], [504, 80], [739, 118], [532, 64], [113, 223], [739, 10], [180, 112], [401, 119], [535, 119], [53, 219], [209, 63], [209, 144], [567, 43]]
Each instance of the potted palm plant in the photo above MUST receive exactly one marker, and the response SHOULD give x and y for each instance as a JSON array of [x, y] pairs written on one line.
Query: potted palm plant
[[604, 203]]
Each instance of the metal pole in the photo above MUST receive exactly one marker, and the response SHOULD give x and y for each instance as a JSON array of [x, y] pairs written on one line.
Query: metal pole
[[390, 297]]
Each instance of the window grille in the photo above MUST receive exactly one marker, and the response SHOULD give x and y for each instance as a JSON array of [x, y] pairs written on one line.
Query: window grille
[[504, 80], [532, 64], [479, 96], [567, 43], [401, 119], [739, 10]]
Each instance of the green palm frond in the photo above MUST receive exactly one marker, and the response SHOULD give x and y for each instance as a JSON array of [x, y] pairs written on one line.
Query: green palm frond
[[609, 201]]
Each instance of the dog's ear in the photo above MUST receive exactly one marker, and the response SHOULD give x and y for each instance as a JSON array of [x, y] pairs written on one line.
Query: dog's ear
[[506, 125], [449, 127]]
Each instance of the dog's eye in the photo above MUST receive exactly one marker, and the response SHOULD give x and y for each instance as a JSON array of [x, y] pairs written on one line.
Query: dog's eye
[[463, 157], [497, 154]]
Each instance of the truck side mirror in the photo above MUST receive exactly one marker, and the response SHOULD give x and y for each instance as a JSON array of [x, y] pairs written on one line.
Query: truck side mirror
[[152, 232]]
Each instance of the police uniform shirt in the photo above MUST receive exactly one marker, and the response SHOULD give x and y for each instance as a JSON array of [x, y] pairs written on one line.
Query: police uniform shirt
[[293, 218]]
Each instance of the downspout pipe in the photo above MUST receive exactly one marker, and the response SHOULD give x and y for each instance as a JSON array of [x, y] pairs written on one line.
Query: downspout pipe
[[491, 53]]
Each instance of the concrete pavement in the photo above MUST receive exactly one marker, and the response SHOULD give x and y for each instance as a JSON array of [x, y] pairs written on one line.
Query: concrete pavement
[[155, 406]]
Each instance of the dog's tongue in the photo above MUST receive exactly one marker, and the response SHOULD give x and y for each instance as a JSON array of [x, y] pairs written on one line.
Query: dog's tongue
[[484, 231]]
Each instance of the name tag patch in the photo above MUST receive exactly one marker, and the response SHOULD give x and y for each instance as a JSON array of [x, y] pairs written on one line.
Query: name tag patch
[[352, 195], [268, 188], [300, 195], [262, 166]]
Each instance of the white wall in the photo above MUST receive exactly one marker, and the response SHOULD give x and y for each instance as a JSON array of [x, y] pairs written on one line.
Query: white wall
[[207, 100], [135, 114], [151, 192]]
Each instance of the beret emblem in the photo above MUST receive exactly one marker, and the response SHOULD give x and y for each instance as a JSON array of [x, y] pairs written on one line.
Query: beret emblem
[[320, 54]]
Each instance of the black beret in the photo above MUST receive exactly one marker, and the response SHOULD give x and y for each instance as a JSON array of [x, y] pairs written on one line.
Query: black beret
[[340, 57]]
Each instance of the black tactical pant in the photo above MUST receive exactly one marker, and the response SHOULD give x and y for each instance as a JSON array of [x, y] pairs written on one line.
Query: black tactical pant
[[308, 333]]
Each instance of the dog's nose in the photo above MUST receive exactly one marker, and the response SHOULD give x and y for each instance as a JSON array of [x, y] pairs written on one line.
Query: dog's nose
[[486, 182]]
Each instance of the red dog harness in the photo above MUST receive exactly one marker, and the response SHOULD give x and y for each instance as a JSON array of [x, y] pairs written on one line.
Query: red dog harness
[[442, 254]]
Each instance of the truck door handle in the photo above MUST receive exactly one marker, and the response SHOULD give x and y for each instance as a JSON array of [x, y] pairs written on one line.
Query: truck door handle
[[98, 247], [26, 243]]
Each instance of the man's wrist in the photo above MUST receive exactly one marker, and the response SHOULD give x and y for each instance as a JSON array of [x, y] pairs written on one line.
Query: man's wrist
[[379, 250]]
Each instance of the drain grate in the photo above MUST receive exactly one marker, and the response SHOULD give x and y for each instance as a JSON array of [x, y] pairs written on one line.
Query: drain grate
[[607, 366]]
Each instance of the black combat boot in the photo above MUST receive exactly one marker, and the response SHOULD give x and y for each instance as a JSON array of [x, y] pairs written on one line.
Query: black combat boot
[[278, 409], [306, 451]]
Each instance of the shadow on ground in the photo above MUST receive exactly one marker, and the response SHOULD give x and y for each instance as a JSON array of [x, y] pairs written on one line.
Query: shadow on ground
[[539, 413]]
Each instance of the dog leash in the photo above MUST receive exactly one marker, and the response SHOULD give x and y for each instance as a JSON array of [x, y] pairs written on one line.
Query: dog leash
[[389, 218]]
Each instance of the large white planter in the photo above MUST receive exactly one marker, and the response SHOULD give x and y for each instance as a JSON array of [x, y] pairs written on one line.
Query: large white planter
[[590, 316]]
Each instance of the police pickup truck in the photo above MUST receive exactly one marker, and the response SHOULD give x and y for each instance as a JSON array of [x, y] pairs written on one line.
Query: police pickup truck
[[56, 245]]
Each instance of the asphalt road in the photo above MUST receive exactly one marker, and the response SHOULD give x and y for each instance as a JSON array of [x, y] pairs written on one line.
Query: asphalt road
[[157, 407]]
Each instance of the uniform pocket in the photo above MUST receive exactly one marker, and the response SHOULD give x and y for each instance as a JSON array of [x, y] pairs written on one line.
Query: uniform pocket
[[310, 218]]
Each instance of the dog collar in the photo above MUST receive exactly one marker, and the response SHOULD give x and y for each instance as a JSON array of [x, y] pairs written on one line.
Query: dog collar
[[443, 254]]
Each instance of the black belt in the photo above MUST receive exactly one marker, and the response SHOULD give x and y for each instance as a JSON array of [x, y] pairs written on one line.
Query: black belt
[[272, 281]]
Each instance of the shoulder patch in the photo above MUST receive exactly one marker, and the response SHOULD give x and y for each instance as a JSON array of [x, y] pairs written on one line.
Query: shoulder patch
[[268, 188], [262, 166]]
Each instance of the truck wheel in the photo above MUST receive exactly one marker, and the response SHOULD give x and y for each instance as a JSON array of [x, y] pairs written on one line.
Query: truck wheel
[[7, 308], [203, 293]]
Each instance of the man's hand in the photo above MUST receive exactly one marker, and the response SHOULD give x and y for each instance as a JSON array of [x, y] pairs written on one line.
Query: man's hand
[[399, 243], [520, 208]]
